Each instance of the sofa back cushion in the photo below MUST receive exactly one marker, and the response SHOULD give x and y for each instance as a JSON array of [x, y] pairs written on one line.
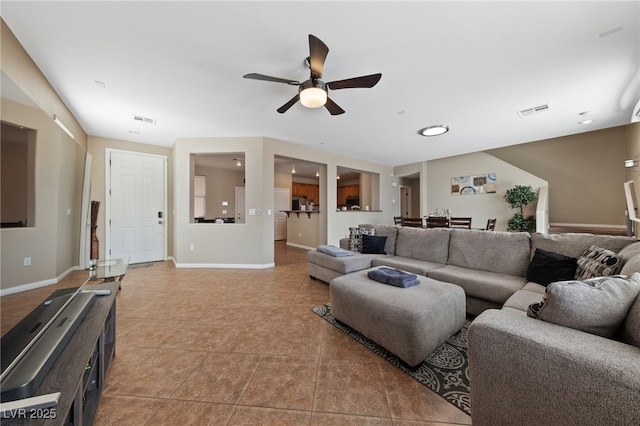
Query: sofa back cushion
[[430, 244], [574, 244], [389, 231], [500, 252]]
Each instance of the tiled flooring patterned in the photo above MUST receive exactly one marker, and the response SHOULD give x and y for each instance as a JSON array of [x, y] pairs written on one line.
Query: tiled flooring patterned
[[241, 347]]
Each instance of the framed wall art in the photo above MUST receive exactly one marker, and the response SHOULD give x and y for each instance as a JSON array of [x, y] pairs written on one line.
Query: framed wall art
[[472, 185]]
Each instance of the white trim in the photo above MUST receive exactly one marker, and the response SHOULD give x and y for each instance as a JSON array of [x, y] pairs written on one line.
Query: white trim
[[300, 246], [38, 284], [224, 265], [587, 225], [629, 197]]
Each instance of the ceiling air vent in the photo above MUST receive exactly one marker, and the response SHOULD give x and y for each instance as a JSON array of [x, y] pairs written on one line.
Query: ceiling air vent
[[145, 120], [534, 110]]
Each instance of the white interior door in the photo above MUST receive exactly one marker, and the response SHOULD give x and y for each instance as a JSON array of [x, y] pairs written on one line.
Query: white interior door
[[240, 204], [281, 202], [136, 213]]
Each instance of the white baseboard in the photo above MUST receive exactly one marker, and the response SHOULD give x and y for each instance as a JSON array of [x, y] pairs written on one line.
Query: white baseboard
[[301, 246], [38, 284], [587, 225], [224, 265]]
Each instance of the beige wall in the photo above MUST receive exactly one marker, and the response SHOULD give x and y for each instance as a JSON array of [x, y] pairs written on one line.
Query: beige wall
[[59, 162], [53, 243], [480, 206], [585, 174]]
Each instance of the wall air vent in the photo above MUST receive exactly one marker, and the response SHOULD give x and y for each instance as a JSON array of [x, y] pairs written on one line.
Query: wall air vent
[[145, 120], [534, 110]]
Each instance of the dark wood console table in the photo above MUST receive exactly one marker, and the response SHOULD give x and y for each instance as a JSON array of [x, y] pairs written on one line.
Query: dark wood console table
[[79, 372]]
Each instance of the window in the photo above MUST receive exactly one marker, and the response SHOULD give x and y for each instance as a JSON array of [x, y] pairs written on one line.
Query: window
[[199, 196]]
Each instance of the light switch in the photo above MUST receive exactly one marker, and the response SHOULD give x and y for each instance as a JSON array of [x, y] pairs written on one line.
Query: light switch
[[252, 212], [224, 211]]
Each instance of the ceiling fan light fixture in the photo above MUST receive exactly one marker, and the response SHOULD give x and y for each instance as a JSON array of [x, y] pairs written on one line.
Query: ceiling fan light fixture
[[436, 130], [313, 97]]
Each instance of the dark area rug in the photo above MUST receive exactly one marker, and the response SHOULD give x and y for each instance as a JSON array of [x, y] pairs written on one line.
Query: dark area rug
[[445, 371]]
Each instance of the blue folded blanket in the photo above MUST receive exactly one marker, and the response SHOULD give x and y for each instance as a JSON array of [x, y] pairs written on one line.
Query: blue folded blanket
[[394, 277], [334, 251]]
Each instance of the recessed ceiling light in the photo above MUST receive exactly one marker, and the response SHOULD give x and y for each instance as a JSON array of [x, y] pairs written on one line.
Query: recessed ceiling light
[[590, 120], [436, 130]]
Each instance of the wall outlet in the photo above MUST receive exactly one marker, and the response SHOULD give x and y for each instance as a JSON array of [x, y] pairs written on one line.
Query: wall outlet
[[192, 247], [27, 261], [299, 234], [224, 211]]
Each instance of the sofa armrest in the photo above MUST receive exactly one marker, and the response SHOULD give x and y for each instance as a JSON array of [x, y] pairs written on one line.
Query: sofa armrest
[[527, 371]]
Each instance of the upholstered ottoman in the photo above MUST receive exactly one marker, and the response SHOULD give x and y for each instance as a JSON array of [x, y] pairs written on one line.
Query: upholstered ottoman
[[410, 322]]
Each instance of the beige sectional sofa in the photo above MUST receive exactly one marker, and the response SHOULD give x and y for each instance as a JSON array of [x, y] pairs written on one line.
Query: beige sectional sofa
[[523, 370]]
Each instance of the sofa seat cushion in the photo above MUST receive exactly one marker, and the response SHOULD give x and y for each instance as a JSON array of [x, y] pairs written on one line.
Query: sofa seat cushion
[[574, 244], [521, 299], [485, 285], [414, 266], [343, 265], [431, 245], [505, 253]]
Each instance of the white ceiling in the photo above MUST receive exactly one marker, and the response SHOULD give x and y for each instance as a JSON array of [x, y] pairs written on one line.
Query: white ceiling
[[470, 65]]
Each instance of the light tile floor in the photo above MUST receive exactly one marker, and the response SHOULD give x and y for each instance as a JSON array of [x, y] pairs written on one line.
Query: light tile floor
[[241, 347]]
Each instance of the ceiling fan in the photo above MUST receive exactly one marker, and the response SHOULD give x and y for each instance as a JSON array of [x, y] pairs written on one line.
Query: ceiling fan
[[313, 93]]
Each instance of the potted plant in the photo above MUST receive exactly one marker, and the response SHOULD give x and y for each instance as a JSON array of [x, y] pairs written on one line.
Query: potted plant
[[518, 197]]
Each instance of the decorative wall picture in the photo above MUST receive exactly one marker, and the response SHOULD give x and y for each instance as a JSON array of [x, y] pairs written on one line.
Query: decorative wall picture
[[470, 185]]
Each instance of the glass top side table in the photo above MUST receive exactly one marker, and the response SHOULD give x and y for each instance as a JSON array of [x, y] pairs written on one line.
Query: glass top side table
[[109, 270]]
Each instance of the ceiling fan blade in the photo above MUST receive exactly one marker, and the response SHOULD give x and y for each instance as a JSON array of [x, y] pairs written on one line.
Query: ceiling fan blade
[[289, 104], [365, 81], [333, 107], [318, 53], [263, 77]]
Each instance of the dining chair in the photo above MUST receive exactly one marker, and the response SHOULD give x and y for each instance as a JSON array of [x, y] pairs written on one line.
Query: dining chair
[[437, 222], [415, 222], [460, 222], [397, 220], [491, 225]]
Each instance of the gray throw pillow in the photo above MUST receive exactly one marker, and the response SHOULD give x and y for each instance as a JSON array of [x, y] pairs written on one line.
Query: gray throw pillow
[[597, 306], [631, 329], [597, 262]]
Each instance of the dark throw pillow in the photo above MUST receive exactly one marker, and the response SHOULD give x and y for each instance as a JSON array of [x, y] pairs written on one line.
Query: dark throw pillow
[[373, 244], [547, 267]]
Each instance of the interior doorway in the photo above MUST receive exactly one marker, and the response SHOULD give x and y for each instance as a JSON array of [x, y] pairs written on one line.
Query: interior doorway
[[405, 201], [281, 200]]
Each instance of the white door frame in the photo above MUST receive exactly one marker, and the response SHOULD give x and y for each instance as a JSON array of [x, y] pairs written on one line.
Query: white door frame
[[107, 201]]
